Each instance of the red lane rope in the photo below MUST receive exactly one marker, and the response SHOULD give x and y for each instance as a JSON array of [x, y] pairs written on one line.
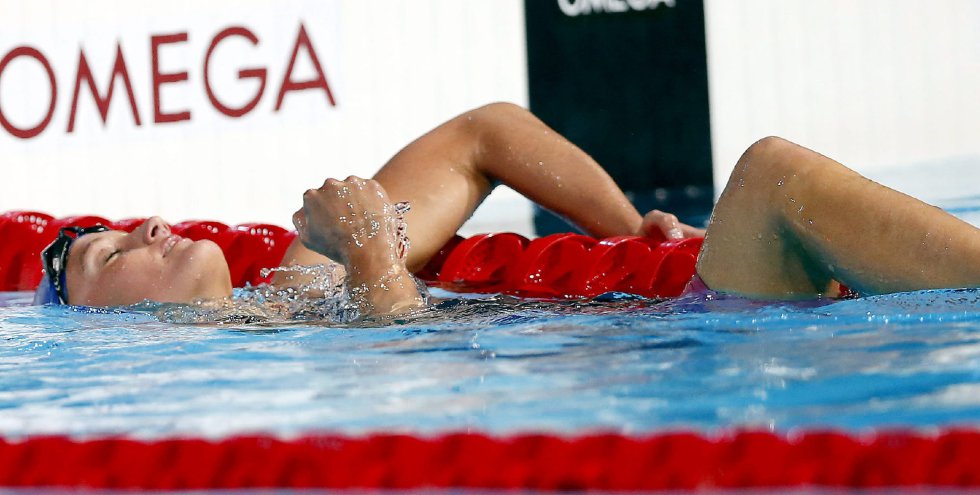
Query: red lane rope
[[560, 265], [545, 462]]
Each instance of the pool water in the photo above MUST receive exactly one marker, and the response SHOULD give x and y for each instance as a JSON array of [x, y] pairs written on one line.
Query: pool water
[[500, 365]]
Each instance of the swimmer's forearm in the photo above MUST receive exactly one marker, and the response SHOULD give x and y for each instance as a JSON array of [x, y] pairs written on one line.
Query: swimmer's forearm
[[521, 151]]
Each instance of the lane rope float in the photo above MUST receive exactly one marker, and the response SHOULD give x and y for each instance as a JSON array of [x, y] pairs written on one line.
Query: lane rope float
[[542, 462]]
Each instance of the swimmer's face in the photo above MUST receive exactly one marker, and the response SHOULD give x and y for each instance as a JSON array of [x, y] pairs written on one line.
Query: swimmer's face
[[114, 268]]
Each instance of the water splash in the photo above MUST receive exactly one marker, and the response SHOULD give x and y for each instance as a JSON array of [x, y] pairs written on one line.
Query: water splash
[[324, 278], [401, 228], [323, 296]]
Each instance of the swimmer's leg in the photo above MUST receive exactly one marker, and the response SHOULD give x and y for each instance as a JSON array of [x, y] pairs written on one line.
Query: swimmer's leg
[[791, 221]]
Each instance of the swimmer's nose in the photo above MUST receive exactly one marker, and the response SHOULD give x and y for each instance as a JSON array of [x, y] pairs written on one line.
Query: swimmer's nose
[[155, 229]]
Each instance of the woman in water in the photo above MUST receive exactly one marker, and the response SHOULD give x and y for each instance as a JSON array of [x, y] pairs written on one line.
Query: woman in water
[[789, 224]]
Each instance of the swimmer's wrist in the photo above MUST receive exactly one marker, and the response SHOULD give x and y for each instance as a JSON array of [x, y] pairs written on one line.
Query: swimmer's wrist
[[369, 261], [380, 291], [375, 273], [381, 285]]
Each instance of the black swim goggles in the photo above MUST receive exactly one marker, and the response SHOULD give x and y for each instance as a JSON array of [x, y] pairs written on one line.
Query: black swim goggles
[[55, 257]]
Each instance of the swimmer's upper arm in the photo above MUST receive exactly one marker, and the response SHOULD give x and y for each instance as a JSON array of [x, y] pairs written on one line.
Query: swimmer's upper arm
[[438, 174]]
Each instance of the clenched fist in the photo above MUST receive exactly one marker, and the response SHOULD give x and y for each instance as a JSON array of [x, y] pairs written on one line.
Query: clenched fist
[[348, 218]]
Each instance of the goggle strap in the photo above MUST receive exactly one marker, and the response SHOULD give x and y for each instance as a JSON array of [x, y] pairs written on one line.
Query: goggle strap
[[54, 262]]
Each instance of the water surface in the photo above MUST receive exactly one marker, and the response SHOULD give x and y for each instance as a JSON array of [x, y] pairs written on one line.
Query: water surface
[[500, 365]]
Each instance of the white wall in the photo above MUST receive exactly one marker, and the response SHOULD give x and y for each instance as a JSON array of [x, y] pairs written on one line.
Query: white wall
[[875, 84], [396, 68], [880, 85]]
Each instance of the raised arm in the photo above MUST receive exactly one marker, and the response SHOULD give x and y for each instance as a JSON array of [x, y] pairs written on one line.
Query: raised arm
[[447, 173]]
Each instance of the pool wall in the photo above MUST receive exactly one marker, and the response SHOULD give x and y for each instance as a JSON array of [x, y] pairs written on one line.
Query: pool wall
[[875, 85]]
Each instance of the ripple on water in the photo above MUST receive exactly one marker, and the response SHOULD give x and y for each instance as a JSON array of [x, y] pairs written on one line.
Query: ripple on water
[[499, 364]]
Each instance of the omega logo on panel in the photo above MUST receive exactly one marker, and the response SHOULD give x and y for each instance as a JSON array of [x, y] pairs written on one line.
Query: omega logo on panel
[[120, 81]]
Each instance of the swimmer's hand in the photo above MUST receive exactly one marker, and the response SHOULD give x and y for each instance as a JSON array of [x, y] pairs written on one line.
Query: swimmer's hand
[[665, 226], [353, 222], [345, 218]]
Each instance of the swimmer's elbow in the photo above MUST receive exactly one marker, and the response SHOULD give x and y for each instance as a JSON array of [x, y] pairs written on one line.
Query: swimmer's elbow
[[499, 108], [488, 118]]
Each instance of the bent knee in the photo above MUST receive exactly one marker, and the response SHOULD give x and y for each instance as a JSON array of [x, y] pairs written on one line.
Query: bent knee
[[767, 152], [768, 145], [769, 158]]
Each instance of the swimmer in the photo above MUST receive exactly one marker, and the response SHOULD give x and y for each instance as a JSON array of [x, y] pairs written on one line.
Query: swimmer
[[790, 224]]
